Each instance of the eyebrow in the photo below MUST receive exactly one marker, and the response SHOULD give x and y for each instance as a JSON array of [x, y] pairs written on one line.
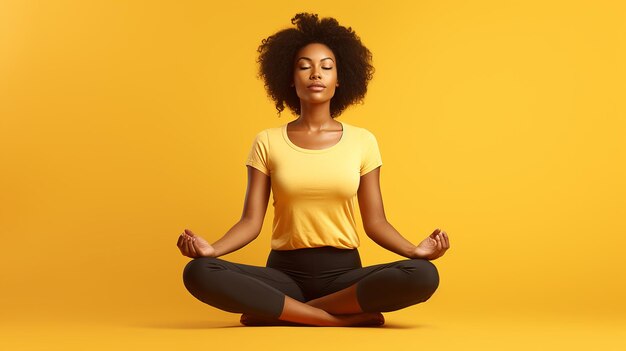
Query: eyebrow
[[306, 58]]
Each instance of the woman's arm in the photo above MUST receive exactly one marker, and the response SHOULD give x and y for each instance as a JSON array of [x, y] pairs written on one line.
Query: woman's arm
[[251, 222], [383, 233], [243, 232], [373, 214]]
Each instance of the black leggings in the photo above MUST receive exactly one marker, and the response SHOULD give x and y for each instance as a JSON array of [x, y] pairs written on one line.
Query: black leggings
[[306, 274]]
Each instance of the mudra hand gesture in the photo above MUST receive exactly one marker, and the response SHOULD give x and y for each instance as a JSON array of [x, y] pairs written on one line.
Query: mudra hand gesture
[[434, 246], [193, 246]]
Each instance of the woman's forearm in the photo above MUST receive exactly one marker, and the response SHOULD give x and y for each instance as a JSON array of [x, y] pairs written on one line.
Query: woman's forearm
[[240, 235], [385, 235]]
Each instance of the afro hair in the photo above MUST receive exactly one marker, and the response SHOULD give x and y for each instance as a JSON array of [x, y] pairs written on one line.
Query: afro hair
[[277, 53]]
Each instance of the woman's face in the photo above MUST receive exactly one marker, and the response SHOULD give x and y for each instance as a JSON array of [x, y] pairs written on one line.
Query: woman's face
[[315, 73]]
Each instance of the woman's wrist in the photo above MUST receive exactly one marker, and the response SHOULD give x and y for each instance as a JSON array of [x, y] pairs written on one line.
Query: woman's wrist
[[413, 252]]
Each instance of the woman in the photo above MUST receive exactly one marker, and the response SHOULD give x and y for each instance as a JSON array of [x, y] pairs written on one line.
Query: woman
[[316, 167]]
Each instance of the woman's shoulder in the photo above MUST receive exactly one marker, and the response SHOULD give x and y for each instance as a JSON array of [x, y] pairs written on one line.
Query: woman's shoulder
[[267, 136], [362, 132], [266, 132]]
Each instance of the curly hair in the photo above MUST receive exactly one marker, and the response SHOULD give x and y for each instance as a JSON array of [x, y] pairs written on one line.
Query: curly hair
[[277, 53]]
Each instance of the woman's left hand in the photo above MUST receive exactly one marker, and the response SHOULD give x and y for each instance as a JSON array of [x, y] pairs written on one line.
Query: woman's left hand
[[433, 247]]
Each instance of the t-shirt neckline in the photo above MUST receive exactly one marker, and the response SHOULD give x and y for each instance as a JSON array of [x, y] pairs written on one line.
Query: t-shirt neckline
[[314, 151]]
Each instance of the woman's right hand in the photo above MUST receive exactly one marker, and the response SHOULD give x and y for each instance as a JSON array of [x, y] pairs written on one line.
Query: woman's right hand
[[194, 246], [434, 246]]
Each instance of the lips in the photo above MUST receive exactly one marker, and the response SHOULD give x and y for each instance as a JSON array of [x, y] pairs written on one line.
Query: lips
[[317, 85]]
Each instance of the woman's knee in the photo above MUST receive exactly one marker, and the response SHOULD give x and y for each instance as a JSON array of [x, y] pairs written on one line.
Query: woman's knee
[[402, 284], [198, 269], [424, 277]]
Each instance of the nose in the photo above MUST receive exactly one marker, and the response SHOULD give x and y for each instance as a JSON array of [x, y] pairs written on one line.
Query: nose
[[316, 74]]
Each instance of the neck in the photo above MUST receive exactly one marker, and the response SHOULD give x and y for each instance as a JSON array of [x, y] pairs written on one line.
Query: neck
[[315, 117]]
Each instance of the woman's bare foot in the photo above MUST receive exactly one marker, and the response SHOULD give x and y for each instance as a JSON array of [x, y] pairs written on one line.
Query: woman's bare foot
[[255, 321], [347, 320], [368, 319]]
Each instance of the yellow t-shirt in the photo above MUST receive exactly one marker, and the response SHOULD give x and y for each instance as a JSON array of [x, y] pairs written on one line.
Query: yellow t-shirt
[[315, 191]]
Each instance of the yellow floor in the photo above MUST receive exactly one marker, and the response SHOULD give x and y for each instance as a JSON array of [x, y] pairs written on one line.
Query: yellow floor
[[414, 328]]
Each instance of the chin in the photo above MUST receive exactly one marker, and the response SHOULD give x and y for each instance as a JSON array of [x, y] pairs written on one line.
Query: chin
[[317, 99]]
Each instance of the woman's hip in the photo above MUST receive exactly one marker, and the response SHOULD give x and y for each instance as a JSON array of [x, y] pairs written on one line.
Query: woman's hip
[[314, 262]]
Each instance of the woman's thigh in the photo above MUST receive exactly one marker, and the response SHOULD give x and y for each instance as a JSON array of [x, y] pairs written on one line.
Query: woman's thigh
[[234, 274], [389, 286], [354, 275]]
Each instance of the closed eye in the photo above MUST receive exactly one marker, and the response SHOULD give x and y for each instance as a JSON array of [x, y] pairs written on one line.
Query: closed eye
[[303, 68]]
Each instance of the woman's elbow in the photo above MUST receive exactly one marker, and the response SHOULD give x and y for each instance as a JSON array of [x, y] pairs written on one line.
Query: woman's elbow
[[252, 226], [373, 226]]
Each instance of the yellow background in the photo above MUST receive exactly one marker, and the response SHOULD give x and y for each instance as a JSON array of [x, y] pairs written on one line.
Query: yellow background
[[124, 122]]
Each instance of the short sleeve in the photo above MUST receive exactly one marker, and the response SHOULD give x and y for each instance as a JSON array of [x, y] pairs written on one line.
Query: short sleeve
[[259, 152], [370, 158]]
